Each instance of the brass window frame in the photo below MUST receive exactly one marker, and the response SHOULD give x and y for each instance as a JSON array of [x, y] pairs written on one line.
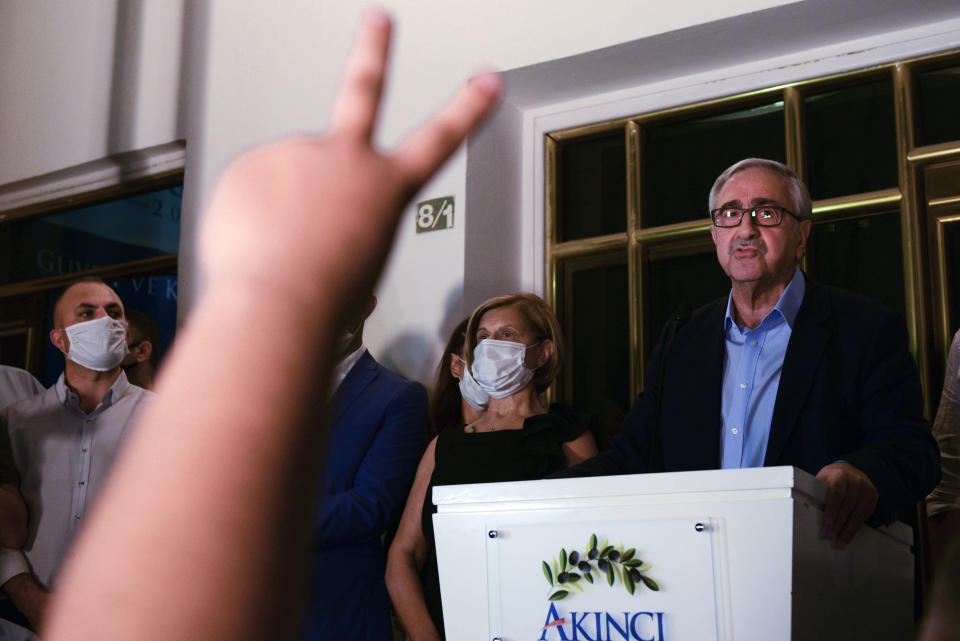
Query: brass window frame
[[642, 243]]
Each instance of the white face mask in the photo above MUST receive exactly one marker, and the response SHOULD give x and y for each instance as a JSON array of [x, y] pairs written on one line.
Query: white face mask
[[470, 390], [499, 368], [98, 344]]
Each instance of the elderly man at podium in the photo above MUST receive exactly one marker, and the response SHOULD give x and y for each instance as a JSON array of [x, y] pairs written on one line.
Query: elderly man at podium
[[783, 371]]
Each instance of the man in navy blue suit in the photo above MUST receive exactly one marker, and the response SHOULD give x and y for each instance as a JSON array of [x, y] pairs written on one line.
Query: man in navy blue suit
[[375, 443], [783, 371]]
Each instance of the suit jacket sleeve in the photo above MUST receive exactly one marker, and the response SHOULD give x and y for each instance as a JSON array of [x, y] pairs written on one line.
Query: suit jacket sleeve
[[895, 447], [386, 472]]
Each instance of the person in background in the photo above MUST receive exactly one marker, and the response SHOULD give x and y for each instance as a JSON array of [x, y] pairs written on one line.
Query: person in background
[[515, 350], [204, 530], [60, 445], [454, 404], [143, 359], [17, 384], [375, 442], [943, 503]]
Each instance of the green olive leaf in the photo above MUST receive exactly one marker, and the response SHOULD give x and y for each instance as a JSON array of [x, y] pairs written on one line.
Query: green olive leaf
[[547, 573], [574, 577], [588, 577], [593, 542], [616, 569], [628, 582], [605, 551], [609, 574], [559, 594], [563, 559], [626, 556], [632, 563], [650, 583]]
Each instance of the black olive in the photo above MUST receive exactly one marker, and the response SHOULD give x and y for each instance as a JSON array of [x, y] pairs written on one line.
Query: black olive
[[573, 558], [563, 577], [602, 565], [593, 553], [635, 575], [584, 566], [614, 556]]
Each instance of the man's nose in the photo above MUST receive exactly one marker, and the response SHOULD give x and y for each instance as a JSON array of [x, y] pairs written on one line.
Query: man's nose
[[748, 227]]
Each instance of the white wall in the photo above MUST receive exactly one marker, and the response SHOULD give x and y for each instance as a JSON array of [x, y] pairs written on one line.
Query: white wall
[[227, 74], [80, 81]]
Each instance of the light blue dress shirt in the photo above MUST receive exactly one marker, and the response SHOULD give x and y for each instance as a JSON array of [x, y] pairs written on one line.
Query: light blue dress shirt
[[751, 377]]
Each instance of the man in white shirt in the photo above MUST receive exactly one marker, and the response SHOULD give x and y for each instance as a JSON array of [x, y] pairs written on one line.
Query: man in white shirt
[[63, 442]]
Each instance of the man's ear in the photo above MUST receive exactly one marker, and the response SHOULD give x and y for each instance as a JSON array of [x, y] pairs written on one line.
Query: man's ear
[[59, 339], [143, 351]]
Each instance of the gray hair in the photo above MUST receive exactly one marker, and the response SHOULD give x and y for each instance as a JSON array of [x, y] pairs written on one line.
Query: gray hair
[[802, 206]]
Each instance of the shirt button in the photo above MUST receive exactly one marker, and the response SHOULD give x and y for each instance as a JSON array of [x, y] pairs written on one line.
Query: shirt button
[[734, 431], [81, 482], [753, 342], [76, 516], [83, 449], [743, 386]]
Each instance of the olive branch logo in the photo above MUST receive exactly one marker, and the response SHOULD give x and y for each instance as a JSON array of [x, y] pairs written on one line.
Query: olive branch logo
[[606, 561]]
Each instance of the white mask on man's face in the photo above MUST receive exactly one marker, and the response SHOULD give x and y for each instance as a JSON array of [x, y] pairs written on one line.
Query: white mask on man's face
[[499, 367], [98, 344], [470, 390]]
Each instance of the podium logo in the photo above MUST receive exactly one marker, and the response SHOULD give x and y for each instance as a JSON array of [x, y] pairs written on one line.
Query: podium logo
[[571, 572], [602, 626]]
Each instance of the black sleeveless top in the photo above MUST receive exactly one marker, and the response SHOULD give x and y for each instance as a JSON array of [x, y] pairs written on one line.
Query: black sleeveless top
[[533, 452]]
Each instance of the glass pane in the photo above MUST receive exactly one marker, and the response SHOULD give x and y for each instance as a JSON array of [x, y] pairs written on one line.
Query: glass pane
[[862, 255], [154, 294], [117, 231], [599, 343], [851, 140], [592, 184], [681, 160], [939, 94], [952, 242], [695, 280]]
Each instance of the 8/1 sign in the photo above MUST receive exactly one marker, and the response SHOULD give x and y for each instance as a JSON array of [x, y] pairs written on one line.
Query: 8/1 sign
[[435, 214]]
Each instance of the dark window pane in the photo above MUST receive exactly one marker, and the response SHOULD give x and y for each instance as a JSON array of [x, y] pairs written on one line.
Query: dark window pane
[[939, 96], [862, 255], [592, 185], [681, 160], [851, 140], [117, 231], [599, 343], [694, 280], [14, 346], [952, 242]]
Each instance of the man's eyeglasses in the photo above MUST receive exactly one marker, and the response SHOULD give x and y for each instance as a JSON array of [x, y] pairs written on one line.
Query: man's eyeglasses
[[764, 215]]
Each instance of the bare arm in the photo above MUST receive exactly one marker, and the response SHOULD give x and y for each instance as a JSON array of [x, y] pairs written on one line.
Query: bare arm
[[29, 597], [406, 558], [283, 272], [580, 449]]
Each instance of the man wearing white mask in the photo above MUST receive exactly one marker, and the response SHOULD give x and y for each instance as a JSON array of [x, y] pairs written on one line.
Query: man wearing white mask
[[62, 443]]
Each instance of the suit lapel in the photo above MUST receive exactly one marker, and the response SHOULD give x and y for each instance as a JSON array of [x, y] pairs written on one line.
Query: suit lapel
[[808, 340], [358, 378]]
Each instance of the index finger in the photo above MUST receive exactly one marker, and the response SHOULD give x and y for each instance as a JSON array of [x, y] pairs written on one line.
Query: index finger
[[359, 99], [423, 153]]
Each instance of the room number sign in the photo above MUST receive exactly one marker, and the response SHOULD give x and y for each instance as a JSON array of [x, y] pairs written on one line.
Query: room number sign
[[435, 214]]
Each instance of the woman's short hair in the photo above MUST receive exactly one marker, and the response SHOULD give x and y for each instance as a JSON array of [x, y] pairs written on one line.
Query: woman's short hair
[[540, 321], [802, 205]]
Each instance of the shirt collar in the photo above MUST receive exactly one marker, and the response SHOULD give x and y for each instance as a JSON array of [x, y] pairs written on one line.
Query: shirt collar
[[343, 367], [68, 397], [787, 306]]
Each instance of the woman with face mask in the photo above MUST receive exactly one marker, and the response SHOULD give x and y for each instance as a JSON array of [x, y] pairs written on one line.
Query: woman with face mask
[[456, 399], [514, 351]]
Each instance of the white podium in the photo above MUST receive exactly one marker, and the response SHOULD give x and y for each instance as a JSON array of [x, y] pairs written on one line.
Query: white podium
[[725, 555]]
